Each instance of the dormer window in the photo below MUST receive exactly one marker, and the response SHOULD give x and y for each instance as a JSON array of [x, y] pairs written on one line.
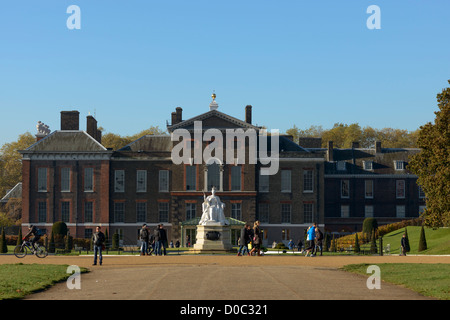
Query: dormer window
[[399, 165], [341, 165], [368, 165]]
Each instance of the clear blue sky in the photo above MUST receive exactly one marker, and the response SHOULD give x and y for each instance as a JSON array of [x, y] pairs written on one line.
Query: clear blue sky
[[299, 62]]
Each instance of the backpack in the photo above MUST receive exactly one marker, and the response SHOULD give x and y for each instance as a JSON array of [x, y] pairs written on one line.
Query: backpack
[[39, 232], [320, 235]]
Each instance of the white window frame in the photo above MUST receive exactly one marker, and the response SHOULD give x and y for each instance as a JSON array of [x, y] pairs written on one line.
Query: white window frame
[[400, 189], [88, 179], [400, 211], [119, 180], [368, 211], [368, 184], [345, 211], [141, 180], [65, 179], [308, 212], [308, 181], [286, 180], [163, 185], [399, 165], [345, 194], [263, 182], [42, 179], [236, 178]]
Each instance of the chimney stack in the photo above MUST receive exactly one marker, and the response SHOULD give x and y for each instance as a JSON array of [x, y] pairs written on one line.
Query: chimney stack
[[378, 147], [70, 120], [248, 114], [179, 113], [99, 136], [174, 118], [330, 151], [91, 127]]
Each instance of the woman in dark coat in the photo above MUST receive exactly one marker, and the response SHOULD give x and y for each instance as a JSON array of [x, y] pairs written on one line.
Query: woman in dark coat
[[256, 239]]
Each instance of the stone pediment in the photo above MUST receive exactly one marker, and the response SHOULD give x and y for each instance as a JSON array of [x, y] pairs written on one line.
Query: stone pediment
[[67, 141], [213, 119]]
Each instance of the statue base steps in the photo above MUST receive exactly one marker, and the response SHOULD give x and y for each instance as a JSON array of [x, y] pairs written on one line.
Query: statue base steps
[[213, 238]]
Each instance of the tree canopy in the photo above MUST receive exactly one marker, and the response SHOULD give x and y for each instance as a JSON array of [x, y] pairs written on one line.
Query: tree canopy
[[343, 135], [115, 141], [432, 165]]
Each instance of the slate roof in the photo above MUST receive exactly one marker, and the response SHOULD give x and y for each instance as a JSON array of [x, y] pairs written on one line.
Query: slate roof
[[67, 141]]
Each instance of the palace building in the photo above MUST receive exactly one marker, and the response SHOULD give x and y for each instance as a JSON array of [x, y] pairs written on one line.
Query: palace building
[[68, 175]]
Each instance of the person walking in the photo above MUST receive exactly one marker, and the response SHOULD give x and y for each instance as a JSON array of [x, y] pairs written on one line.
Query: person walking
[[319, 240], [291, 244], [157, 238], [300, 245], [244, 240], [151, 243], [256, 239], [164, 241], [311, 235], [143, 236], [404, 245], [98, 240]]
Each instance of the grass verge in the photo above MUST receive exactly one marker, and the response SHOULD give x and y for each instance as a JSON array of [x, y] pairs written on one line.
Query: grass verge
[[18, 280], [430, 280]]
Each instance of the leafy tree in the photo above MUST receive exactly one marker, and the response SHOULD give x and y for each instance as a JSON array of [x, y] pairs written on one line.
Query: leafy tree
[[432, 165], [10, 162], [343, 135], [115, 141]]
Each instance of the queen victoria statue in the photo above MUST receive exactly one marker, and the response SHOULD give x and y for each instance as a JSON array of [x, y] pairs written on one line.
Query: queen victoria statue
[[213, 230], [213, 210]]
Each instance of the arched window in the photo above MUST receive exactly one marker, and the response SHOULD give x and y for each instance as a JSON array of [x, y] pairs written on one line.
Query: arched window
[[213, 174]]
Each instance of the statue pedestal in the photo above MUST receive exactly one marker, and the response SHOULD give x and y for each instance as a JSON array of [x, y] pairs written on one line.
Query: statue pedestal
[[213, 238]]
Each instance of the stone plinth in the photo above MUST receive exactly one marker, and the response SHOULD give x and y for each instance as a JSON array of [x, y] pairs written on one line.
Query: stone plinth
[[213, 238]]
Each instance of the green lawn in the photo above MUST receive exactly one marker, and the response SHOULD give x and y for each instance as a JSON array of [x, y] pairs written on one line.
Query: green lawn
[[427, 279], [438, 240], [19, 280]]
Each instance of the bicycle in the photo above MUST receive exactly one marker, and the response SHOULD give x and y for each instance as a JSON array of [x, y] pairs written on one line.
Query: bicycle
[[21, 251]]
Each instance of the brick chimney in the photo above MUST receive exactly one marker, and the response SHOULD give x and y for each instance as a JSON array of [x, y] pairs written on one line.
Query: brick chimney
[[248, 114], [91, 126], [330, 152], [70, 120], [99, 136], [179, 114], [378, 147], [174, 118]]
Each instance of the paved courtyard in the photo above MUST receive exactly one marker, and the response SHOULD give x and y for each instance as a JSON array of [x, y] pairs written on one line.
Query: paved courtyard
[[217, 277]]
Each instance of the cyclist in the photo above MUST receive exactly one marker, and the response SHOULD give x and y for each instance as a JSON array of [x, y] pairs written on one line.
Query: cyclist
[[36, 235]]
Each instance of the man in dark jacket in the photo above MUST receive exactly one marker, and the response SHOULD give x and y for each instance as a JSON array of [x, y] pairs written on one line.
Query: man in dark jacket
[[164, 241], [244, 239], [143, 236], [158, 242], [98, 239]]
